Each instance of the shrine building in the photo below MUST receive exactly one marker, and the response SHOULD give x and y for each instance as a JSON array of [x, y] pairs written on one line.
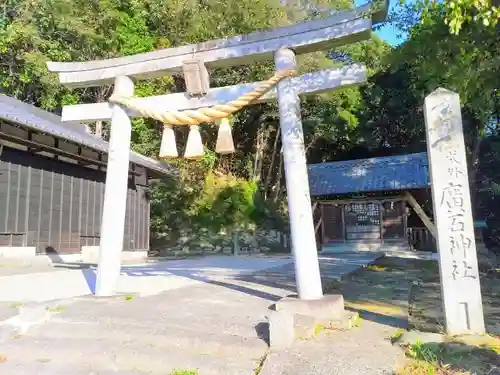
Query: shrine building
[[52, 178], [372, 204]]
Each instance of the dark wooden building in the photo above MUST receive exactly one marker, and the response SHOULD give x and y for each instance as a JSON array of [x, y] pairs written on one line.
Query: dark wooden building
[[366, 203], [52, 184]]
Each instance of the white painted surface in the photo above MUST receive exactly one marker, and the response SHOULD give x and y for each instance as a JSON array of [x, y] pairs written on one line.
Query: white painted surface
[[115, 194], [90, 254], [453, 214], [17, 251], [303, 238], [342, 28], [43, 286], [62, 258], [310, 83]]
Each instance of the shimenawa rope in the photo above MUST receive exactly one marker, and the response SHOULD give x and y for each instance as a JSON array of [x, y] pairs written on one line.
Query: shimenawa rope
[[207, 114]]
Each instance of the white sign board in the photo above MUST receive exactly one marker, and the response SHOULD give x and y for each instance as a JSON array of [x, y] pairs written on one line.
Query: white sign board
[[458, 266]]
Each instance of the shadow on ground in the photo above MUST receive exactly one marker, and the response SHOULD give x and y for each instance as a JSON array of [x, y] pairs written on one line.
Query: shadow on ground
[[380, 291], [243, 274]]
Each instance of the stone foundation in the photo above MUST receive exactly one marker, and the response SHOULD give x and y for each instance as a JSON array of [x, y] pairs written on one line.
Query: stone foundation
[[191, 242], [294, 318]]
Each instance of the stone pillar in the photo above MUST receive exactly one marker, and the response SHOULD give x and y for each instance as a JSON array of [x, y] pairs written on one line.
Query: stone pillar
[[458, 264], [115, 195], [303, 239]]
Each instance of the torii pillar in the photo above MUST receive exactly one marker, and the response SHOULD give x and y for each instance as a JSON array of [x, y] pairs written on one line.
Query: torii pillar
[[307, 275]]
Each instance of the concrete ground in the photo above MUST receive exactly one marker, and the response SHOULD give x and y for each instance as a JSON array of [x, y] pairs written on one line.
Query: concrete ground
[[365, 350], [212, 319]]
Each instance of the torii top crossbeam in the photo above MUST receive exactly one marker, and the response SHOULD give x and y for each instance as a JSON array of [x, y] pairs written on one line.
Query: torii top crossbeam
[[339, 29]]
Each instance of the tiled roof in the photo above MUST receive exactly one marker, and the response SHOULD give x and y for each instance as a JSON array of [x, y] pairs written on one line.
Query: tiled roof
[[27, 115], [370, 175]]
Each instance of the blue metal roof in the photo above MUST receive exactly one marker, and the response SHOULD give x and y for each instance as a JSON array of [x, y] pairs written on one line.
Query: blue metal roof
[[370, 175]]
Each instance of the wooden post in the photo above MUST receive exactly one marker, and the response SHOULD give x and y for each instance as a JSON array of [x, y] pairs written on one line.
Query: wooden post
[[342, 212], [381, 225], [421, 214], [461, 292]]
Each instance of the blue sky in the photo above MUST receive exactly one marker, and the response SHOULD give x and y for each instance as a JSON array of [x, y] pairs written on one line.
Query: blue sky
[[387, 32]]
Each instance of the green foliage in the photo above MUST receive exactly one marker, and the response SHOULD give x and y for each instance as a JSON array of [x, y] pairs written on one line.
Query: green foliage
[[427, 353], [458, 13], [203, 200], [246, 190]]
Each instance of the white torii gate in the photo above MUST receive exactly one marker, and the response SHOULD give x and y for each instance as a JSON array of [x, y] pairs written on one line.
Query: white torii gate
[[281, 44]]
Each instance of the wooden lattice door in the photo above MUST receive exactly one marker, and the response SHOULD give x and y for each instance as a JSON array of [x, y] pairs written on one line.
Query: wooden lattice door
[[333, 230]]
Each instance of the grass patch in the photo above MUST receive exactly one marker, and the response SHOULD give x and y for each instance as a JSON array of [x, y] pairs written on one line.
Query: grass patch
[[258, 369], [16, 305], [452, 358], [56, 309], [397, 335], [483, 341], [376, 308], [128, 297], [184, 372], [376, 268], [416, 367], [318, 329]]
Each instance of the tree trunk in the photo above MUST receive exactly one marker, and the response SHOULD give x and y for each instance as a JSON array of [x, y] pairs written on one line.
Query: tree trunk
[[271, 164], [277, 184], [98, 129], [260, 149], [100, 96], [473, 172]]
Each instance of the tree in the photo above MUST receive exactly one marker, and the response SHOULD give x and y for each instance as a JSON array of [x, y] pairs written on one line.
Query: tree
[[248, 184], [457, 14]]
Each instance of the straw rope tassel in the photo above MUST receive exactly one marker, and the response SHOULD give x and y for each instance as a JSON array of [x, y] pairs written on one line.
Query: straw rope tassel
[[194, 146], [168, 147], [225, 144], [207, 114]]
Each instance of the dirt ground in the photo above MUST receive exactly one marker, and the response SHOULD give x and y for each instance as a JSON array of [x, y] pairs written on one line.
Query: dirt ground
[[405, 293]]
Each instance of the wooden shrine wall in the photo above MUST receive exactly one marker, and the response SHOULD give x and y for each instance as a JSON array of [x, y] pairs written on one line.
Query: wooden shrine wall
[[332, 224], [57, 206], [393, 220]]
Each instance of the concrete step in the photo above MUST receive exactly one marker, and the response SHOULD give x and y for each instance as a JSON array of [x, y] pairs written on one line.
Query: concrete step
[[184, 336], [364, 247], [83, 356]]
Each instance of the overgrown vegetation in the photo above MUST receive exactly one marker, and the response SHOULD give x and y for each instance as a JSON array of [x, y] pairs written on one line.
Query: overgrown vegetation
[[452, 358], [246, 191], [406, 293]]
